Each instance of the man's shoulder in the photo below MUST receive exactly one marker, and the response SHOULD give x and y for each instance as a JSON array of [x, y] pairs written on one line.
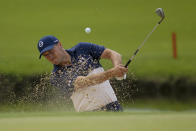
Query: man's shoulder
[[83, 45], [80, 45]]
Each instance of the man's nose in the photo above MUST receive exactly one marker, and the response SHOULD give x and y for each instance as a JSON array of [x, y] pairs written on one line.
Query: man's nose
[[50, 56]]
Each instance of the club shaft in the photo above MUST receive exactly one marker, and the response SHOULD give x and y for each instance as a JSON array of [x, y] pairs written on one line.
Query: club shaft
[[135, 53]]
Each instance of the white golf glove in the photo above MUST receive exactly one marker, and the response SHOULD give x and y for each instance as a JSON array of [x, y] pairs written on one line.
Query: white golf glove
[[121, 78]]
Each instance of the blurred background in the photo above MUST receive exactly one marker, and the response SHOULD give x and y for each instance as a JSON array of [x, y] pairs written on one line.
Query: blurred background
[[155, 80]]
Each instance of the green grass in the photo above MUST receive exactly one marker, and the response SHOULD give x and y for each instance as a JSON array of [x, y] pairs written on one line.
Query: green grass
[[165, 121], [119, 25], [161, 104]]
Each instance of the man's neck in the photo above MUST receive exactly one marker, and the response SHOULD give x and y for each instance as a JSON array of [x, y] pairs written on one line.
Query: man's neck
[[66, 59]]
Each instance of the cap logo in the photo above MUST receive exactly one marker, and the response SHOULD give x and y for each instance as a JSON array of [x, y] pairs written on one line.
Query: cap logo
[[41, 43], [55, 41]]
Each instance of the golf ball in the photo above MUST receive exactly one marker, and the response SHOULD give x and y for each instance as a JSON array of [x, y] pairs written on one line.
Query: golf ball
[[88, 30]]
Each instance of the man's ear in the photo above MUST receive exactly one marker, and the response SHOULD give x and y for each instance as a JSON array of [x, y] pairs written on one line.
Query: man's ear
[[60, 45]]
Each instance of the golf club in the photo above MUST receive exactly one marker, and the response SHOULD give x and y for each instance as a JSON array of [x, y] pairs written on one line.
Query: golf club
[[159, 12]]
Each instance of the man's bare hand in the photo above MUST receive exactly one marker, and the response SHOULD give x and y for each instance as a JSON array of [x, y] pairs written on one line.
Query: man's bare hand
[[119, 71]]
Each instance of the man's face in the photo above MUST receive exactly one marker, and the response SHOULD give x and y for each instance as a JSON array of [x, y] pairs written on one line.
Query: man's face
[[55, 55]]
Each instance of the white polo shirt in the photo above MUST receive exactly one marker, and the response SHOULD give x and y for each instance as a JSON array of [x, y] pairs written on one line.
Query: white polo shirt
[[93, 97]]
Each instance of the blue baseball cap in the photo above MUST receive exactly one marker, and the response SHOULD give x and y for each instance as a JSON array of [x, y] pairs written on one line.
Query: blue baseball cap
[[46, 43]]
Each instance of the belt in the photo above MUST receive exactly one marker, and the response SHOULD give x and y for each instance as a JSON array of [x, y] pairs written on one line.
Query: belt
[[113, 106]]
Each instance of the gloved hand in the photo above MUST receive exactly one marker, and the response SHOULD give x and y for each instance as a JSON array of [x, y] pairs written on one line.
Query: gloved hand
[[121, 78], [119, 72]]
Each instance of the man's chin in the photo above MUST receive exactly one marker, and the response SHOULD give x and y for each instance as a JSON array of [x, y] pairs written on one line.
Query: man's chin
[[55, 62]]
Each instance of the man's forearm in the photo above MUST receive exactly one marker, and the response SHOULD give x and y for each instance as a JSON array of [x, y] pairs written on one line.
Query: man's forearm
[[114, 56], [85, 81], [116, 59]]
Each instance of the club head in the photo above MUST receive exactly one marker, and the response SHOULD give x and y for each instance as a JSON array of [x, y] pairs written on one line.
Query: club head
[[160, 13]]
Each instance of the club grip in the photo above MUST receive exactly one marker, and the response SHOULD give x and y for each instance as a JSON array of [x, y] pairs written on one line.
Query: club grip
[[128, 62]]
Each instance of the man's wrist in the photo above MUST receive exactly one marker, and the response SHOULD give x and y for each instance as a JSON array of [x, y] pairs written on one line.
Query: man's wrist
[[116, 64], [110, 73]]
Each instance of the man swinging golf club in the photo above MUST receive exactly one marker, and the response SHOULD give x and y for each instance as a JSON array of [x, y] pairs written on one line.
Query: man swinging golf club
[[79, 74]]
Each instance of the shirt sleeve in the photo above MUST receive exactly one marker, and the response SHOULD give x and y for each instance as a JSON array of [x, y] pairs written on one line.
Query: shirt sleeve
[[94, 50]]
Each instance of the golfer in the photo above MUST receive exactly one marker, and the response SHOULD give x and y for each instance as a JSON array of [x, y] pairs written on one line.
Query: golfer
[[79, 74]]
